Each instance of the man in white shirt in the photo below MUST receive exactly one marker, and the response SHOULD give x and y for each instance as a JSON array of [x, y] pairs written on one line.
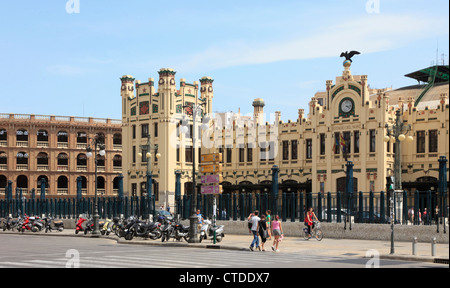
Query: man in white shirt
[[255, 226]]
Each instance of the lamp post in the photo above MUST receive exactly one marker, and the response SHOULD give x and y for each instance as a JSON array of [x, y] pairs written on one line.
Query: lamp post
[[95, 142], [193, 220], [396, 133], [148, 155]]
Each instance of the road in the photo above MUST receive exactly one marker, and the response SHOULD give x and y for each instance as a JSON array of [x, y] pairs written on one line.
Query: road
[[20, 251]]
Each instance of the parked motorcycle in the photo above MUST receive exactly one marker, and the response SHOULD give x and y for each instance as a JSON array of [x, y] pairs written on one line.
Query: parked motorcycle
[[126, 230], [37, 224], [79, 226], [50, 224], [10, 224], [181, 231], [207, 231], [107, 227], [144, 229]]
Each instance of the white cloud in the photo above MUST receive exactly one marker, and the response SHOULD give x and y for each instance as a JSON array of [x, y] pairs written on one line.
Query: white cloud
[[368, 34]]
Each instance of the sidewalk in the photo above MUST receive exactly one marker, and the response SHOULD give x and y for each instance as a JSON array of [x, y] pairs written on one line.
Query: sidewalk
[[330, 247]]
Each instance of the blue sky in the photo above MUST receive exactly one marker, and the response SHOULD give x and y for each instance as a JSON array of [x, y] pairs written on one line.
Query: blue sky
[[56, 63]]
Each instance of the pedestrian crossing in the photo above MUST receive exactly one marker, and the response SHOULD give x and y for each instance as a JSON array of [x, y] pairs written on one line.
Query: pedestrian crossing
[[171, 258]]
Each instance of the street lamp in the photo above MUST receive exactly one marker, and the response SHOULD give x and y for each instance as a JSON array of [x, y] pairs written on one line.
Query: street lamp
[[396, 133], [148, 155], [193, 220], [95, 142]]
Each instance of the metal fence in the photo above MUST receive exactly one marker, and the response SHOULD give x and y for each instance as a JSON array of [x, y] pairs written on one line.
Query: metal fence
[[71, 208], [361, 207]]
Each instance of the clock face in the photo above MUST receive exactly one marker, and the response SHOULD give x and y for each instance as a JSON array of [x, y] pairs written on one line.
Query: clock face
[[346, 106]]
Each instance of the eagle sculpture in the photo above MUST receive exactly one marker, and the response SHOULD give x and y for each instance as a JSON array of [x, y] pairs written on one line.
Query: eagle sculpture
[[349, 55]]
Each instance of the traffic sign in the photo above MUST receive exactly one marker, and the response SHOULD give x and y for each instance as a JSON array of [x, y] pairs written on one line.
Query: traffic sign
[[211, 189], [211, 168], [213, 157], [212, 179]]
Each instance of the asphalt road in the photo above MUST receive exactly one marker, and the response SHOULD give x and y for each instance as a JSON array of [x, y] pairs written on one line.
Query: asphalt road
[[20, 251]]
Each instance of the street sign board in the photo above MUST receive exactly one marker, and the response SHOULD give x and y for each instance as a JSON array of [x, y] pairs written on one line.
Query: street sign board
[[212, 179], [211, 189], [211, 168], [213, 157]]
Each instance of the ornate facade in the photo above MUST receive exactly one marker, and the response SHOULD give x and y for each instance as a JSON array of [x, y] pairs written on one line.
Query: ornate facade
[[346, 122], [54, 148]]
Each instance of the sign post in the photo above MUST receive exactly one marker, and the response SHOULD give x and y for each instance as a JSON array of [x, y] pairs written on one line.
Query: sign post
[[210, 163]]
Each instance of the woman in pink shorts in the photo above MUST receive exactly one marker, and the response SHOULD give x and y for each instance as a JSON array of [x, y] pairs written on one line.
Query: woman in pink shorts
[[277, 231]]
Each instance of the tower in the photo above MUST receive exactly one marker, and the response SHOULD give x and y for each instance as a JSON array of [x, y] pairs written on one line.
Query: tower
[[258, 111], [206, 91]]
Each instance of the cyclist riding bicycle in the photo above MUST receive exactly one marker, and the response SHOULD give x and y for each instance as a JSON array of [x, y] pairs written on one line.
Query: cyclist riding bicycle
[[309, 220]]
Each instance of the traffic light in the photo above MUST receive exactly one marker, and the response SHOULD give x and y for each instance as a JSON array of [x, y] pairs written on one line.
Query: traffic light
[[390, 184]]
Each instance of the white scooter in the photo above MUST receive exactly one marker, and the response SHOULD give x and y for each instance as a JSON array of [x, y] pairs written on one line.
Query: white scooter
[[207, 231]]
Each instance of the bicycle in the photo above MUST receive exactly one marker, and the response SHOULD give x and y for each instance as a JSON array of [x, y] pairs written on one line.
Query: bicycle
[[316, 232]]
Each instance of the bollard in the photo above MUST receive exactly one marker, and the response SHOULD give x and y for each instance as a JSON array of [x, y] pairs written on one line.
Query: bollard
[[414, 246], [433, 246]]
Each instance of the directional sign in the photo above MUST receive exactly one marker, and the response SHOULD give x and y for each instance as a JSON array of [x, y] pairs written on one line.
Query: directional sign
[[211, 189], [213, 157], [211, 168], [212, 179]]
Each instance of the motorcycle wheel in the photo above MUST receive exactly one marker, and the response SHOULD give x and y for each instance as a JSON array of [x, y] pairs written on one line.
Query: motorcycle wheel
[[129, 236], [201, 238], [186, 238], [76, 231]]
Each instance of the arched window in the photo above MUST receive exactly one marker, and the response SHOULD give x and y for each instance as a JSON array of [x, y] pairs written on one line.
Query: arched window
[[3, 135], [42, 136], [42, 158], [22, 158]]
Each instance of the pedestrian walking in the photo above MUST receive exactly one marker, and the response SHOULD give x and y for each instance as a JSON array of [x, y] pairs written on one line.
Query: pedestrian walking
[[263, 233], [254, 229], [200, 220], [268, 223], [411, 215], [277, 232]]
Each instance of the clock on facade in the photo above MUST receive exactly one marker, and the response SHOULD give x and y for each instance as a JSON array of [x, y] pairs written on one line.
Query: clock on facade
[[346, 105]]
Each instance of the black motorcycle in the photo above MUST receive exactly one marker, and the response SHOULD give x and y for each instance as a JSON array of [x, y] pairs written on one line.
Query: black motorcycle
[[126, 231], [10, 224], [181, 231], [50, 224], [146, 230]]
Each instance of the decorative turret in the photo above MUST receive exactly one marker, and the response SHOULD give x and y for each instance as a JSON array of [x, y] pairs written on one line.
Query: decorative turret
[[206, 91], [127, 88], [167, 90], [258, 110]]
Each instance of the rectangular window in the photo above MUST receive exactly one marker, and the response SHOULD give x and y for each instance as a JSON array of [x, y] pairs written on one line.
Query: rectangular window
[[372, 140], [178, 153], [262, 151], [229, 154], [308, 148], [241, 154], [156, 129], [294, 149], [249, 153], [420, 135], [433, 141], [188, 154], [144, 130], [348, 142], [285, 150], [337, 143], [272, 152], [322, 144], [133, 128], [134, 154], [355, 141]]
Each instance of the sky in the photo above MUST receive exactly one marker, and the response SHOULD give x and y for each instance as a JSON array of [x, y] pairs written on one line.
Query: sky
[[66, 57]]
